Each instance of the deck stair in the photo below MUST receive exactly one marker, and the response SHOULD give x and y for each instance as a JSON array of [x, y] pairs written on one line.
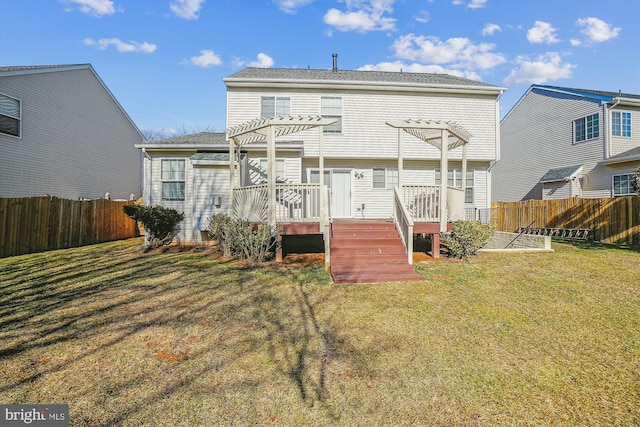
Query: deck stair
[[368, 251]]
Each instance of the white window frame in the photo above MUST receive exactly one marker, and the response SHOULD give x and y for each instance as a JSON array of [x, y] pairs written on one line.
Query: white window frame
[[173, 180], [6, 115], [279, 107], [390, 176], [590, 131], [629, 189], [454, 178], [619, 126], [281, 166], [331, 112]]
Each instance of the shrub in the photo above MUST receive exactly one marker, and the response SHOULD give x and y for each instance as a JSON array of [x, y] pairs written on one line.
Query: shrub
[[159, 222], [241, 238], [467, 237]]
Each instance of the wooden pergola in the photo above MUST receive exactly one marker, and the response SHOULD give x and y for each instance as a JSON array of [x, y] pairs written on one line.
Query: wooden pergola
[[443, 135], [269, 129]]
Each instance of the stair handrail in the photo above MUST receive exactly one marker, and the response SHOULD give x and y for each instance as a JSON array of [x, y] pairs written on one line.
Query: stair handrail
[[404, 223]]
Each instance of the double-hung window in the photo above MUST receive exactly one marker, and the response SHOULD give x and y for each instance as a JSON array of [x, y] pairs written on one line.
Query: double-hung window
[[275, 106], [10, 115], [622, 185], [621, 124], [281, 171], [586, 128], [454, 179], [385, 178], [331, 108], [173, 179]]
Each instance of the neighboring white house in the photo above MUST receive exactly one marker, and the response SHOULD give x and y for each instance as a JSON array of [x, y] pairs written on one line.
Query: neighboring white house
[[64, 134], [356, 117], [559, 142]]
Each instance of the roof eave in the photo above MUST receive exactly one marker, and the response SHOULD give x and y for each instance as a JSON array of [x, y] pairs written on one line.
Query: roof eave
[[242, 82]]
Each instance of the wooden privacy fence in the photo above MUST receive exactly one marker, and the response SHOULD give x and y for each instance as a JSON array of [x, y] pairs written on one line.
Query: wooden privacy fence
[[614, 220], [35, 224]]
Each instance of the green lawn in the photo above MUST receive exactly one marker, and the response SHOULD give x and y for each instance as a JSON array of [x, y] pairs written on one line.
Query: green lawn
[[181, 338]]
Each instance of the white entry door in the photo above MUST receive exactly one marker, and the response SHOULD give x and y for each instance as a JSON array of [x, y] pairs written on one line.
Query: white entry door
[[339, 183], [341, 194]]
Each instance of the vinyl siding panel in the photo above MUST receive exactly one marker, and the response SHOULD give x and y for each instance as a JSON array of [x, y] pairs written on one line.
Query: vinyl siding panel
[[208, 182], [537, 136], [76, 141], [365, 133]]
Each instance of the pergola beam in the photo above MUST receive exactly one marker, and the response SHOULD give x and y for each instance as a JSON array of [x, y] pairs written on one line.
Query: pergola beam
[[444, 136], [269, 129]]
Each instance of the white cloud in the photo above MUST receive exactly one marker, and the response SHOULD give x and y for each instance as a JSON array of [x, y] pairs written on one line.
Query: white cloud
[[471, 4], [575, 42], [540, 70], [490, 28], [458, 52], [94, 7], [363, 16], [597, 30], [542, 32], [422, 17], [121, 46], [186, 9], [263, 61], [291, 6], [207, 58], [419, 68]]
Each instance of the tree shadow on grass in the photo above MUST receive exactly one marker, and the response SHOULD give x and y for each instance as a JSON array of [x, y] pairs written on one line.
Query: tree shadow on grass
[[83, 309]]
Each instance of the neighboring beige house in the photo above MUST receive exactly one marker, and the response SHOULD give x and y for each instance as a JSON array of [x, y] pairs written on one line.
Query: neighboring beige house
[[559, 142], [64, 134]]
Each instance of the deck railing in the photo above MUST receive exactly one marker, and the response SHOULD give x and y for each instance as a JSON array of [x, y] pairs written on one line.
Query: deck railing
[[298, 202], [422, 202], [404, 222]]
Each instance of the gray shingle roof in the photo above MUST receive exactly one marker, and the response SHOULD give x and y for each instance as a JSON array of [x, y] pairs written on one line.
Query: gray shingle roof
[[290, 74], [201, 138], [17, 69], [560, 174]]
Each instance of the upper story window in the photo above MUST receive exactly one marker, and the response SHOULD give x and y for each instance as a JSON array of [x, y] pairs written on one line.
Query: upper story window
[[621, 124], [385, 178], [331, 108], [10, 115], [173, 179], [454, 179], [272, 106], [622, 185], [586, 128]]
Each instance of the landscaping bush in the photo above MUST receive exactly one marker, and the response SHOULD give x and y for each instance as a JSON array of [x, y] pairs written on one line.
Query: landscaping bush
[[241, 238], [467, 237], [159, 222]]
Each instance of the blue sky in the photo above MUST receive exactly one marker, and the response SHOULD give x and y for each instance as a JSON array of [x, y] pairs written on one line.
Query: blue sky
[[164, 60]]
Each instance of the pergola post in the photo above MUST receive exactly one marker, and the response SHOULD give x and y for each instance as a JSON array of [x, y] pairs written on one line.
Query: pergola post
[[232, 171], [444, 177], [321, 172], [271, 176], [400, 159], [464, 168]]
